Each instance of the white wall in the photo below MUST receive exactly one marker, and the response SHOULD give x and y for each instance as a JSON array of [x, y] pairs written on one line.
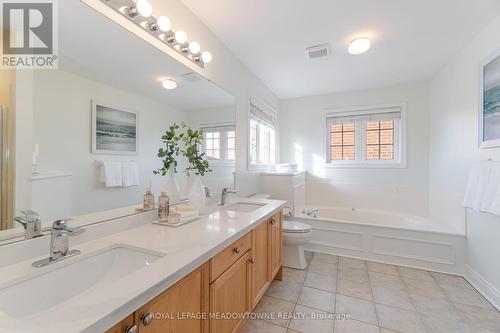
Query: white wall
[[62, 117], [454, 100], [302, 124], [229, 73]]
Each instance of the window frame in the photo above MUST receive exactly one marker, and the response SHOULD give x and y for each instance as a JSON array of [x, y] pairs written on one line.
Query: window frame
[[360, 161], [223, 127], [270, 113]]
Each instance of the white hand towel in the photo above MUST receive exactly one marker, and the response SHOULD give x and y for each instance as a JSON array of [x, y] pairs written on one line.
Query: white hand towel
[[491, 200], [130, 174], [476, 185], [112, 174]]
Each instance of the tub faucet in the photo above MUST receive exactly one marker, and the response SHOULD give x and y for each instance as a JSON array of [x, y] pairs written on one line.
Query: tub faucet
[[311, 212], [59, 243], [223, 196], [31, 222]]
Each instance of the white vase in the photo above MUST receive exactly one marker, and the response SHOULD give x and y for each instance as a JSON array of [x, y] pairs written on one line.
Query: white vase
[[196, 194], [172, 187]]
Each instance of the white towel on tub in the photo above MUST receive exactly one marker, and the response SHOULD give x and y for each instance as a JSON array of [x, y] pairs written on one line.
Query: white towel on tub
[[111, 172], [130, 174], [491, 199], [476, 186]]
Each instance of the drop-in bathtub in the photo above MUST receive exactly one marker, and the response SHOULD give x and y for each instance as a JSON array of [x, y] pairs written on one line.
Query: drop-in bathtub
[[385, 236]]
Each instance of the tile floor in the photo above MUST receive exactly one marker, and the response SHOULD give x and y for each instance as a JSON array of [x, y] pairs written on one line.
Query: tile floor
[[378, 298]]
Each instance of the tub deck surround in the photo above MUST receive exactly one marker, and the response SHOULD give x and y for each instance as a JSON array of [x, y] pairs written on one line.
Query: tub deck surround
[[387, 237], [185, 249]]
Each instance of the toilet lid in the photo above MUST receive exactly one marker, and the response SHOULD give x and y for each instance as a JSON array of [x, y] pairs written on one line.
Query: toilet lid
[[295, 227]]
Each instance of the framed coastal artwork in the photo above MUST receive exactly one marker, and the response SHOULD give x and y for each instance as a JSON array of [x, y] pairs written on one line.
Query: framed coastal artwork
[[114, 129], [489, 106]]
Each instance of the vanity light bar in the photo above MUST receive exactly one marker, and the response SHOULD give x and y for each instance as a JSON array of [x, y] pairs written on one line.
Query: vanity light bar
[[140, 13]]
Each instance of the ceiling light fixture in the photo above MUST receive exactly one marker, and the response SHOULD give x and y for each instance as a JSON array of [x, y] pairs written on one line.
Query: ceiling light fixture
[[140, 13], [169, 84], [359, 46]]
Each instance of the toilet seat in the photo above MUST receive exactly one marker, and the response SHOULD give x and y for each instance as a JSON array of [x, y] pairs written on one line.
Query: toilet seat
[[293, 227]]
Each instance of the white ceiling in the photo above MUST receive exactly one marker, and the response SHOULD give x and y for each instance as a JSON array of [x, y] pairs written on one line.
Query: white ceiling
[[411, 39], [92, 46]]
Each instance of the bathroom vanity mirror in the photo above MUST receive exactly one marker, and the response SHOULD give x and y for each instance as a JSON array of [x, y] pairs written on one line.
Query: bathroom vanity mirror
[[106, 103]]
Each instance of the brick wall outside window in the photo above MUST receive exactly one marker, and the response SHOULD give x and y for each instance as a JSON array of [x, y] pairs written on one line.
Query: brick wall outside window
[[380, 140], [342, 142]]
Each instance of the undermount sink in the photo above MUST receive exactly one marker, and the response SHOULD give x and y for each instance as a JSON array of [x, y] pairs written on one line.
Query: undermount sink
[[62, 282], [245, 207]]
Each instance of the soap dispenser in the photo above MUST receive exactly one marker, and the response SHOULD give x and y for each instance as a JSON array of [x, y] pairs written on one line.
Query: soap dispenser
[[163, 206], [149, 200]]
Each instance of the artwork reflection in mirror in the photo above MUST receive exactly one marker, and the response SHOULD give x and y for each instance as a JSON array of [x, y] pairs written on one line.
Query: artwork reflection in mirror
[[53, 168]]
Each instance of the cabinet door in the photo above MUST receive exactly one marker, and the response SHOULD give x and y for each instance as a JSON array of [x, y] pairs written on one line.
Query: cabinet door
[[125, 326], [276, 245], [180, 308], [261, 268], [230, 295]]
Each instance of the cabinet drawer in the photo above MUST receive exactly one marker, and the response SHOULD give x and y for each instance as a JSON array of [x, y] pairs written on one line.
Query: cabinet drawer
[[229, 256]]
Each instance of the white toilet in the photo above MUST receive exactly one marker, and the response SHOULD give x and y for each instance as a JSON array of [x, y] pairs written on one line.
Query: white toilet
[[295, 235]]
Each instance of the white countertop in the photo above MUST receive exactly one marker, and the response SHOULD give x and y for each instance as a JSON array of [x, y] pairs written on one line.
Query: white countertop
[[185, 249]]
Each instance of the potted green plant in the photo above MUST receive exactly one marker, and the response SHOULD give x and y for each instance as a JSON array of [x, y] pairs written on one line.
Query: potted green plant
[[169, 154]]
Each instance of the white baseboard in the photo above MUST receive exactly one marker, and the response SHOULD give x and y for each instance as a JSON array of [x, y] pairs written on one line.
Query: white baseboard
[[489, 291]]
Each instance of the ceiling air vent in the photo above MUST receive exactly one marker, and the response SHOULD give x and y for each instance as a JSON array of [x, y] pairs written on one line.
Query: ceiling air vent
[[318, 51], [192, 77]]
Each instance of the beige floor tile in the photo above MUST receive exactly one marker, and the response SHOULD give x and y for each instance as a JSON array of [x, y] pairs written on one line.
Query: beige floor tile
[[393, 297], [313, 321], [323, 282], [356, 309], [357, 275], [412, 273], [440, 325], [445, 279], [352, 263], [355, 289], [424, 287], [287, 291], [436, 307], [323, 268], [399, 320], [261, 326], [354, 326], [325, 258], [480, 317], [385, 330], [275, 310], [294, 275], [382, 268], [317, 299], [386, 281], [292, 331], [466, 296]]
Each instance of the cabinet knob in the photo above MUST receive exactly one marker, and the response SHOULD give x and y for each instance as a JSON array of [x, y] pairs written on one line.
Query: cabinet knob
[[147, 319], [131, 329], [237, 249], [252, 260], [273, 221]]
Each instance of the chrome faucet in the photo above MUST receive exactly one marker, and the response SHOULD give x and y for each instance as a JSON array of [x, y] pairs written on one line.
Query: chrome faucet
[[223, 196], [59, 243], [311, 212], [31, 222]]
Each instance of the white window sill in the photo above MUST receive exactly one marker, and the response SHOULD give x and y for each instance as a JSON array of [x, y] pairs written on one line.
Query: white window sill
[[384, 165]]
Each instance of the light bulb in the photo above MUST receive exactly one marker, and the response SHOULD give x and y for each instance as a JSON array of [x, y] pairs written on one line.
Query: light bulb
[[206, 57], [194, 47], [359, 46], [144, 8], [169, 84], [164, 23], [181, 37]]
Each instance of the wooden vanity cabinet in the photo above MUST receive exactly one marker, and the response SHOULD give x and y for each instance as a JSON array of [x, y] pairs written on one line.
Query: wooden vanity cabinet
[[276, 225], [181, 308], [229, 284]]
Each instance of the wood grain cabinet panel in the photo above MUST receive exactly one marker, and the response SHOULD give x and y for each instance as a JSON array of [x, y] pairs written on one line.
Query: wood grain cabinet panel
[[261, 265], [230, 297], [181, 308], [276, 245]]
